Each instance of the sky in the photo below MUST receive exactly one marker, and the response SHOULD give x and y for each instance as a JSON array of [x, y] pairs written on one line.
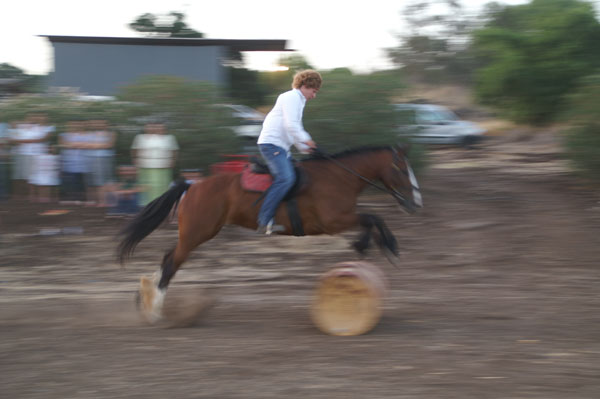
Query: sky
[[329, 33]]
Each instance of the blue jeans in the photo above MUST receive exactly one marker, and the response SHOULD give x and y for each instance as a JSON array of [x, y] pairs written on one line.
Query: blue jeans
[[73, 186], [282, 170]]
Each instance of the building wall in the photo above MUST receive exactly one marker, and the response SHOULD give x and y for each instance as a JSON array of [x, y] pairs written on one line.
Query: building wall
[[100, 69]]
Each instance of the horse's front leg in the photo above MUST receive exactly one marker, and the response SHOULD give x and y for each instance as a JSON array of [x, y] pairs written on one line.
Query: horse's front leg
[[364, 239], [385, 238]]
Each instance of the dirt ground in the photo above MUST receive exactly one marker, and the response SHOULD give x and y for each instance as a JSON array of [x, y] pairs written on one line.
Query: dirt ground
[[497, 297]]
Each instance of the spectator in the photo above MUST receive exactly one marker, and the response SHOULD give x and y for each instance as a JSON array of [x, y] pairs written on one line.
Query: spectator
[[29, 139], [124, 194], [74, 164], [40, 131], [45, 178], [192, 176], [154, 153], [4, 161], [100, 154]]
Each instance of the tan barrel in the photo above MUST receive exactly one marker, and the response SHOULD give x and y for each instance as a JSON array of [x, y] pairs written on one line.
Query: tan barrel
[[348, 299]]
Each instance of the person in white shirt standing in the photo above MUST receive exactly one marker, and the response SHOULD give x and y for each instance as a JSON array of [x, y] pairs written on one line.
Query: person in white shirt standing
[[155, 153], [31, 140], [283, 128]]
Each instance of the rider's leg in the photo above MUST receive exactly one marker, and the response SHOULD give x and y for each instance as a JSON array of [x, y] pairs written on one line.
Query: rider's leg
[[284, 177]]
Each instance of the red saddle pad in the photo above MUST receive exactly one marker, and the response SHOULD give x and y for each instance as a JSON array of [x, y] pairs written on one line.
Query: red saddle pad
[[255, 182]]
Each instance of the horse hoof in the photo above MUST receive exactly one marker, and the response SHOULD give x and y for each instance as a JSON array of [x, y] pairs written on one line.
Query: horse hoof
[[152, 317], [149, 305]]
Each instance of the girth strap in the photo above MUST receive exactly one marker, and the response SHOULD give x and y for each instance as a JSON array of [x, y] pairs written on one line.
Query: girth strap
[[294, 215]]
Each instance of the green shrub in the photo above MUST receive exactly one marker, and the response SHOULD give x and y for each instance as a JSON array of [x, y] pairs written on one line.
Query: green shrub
[[60, 109], [354, 110], [350, 111], [532, 55], [582, 139], [583, 148], [203, 130]]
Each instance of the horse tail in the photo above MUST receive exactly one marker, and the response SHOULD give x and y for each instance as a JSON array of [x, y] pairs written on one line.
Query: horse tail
[[149, 219]]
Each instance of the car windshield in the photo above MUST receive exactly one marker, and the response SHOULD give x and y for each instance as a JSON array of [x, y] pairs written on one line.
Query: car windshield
[[435, 115], [243, 111]]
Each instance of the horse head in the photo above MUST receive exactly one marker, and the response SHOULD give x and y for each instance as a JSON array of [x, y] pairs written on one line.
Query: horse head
[[399, 178]]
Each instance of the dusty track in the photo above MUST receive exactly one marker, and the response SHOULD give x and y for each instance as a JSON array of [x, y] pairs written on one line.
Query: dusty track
[[497, 298]]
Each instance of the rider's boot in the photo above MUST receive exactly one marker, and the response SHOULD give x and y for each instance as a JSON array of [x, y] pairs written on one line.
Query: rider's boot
[[270, 228]]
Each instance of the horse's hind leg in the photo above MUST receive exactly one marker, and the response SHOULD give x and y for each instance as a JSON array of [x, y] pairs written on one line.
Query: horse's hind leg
[[167, 269], [156, 288], [153, 290], [202, 213]]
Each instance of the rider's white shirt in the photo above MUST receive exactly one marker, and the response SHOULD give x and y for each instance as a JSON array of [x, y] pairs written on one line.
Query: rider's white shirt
[[283, 125]]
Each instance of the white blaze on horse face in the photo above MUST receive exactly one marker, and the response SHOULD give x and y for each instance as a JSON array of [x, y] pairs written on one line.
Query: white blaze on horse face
[[418, 200]]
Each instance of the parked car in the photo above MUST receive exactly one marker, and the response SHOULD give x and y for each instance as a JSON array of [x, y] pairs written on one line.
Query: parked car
[[434, 124], [249, 120], [246, 123]]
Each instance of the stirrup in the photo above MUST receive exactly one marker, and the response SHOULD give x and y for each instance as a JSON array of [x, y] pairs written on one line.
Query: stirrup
[[270, 228]]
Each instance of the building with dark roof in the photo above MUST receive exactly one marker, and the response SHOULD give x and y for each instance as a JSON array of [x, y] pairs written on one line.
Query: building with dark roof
[[100, 65]]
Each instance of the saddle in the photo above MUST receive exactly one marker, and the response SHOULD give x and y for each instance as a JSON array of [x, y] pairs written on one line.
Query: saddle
[[256, 178]]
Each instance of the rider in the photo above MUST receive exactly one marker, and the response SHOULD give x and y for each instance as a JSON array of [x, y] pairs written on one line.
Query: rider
[[283, 128]]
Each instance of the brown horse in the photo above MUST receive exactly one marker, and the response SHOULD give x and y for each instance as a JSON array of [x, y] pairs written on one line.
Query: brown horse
[[327, 205]]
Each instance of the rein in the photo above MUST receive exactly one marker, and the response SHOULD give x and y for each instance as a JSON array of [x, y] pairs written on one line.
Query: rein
[[369, 181]]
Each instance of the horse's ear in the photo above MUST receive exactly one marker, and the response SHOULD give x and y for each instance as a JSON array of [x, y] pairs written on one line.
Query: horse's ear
[[403, 147]]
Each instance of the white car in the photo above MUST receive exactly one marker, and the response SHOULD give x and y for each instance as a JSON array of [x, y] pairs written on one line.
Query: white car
[[434, 124], [249, 120]]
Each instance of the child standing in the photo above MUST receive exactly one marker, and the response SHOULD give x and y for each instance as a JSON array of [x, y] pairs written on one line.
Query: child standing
[[125, 192]]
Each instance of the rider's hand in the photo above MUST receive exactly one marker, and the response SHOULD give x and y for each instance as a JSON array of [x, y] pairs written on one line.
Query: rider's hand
[[311, 144]]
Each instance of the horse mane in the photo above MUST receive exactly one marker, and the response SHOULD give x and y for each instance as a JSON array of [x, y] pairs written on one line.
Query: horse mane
[[347, 153]]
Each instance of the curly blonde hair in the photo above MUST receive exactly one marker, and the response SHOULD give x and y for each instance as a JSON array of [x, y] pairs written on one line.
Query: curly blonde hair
[[309, 78]]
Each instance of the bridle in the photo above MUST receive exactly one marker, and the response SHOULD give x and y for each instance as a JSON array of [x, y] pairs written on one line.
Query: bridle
[[393, 192]]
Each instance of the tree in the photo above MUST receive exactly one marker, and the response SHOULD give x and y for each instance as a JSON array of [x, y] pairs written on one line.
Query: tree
[[173, 25], [65, 107], [8, 71], [533, 54], [170, 25], [436, 47], [14, 81], [295, 62], [245, 87], [353, 110], [279, 81]]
